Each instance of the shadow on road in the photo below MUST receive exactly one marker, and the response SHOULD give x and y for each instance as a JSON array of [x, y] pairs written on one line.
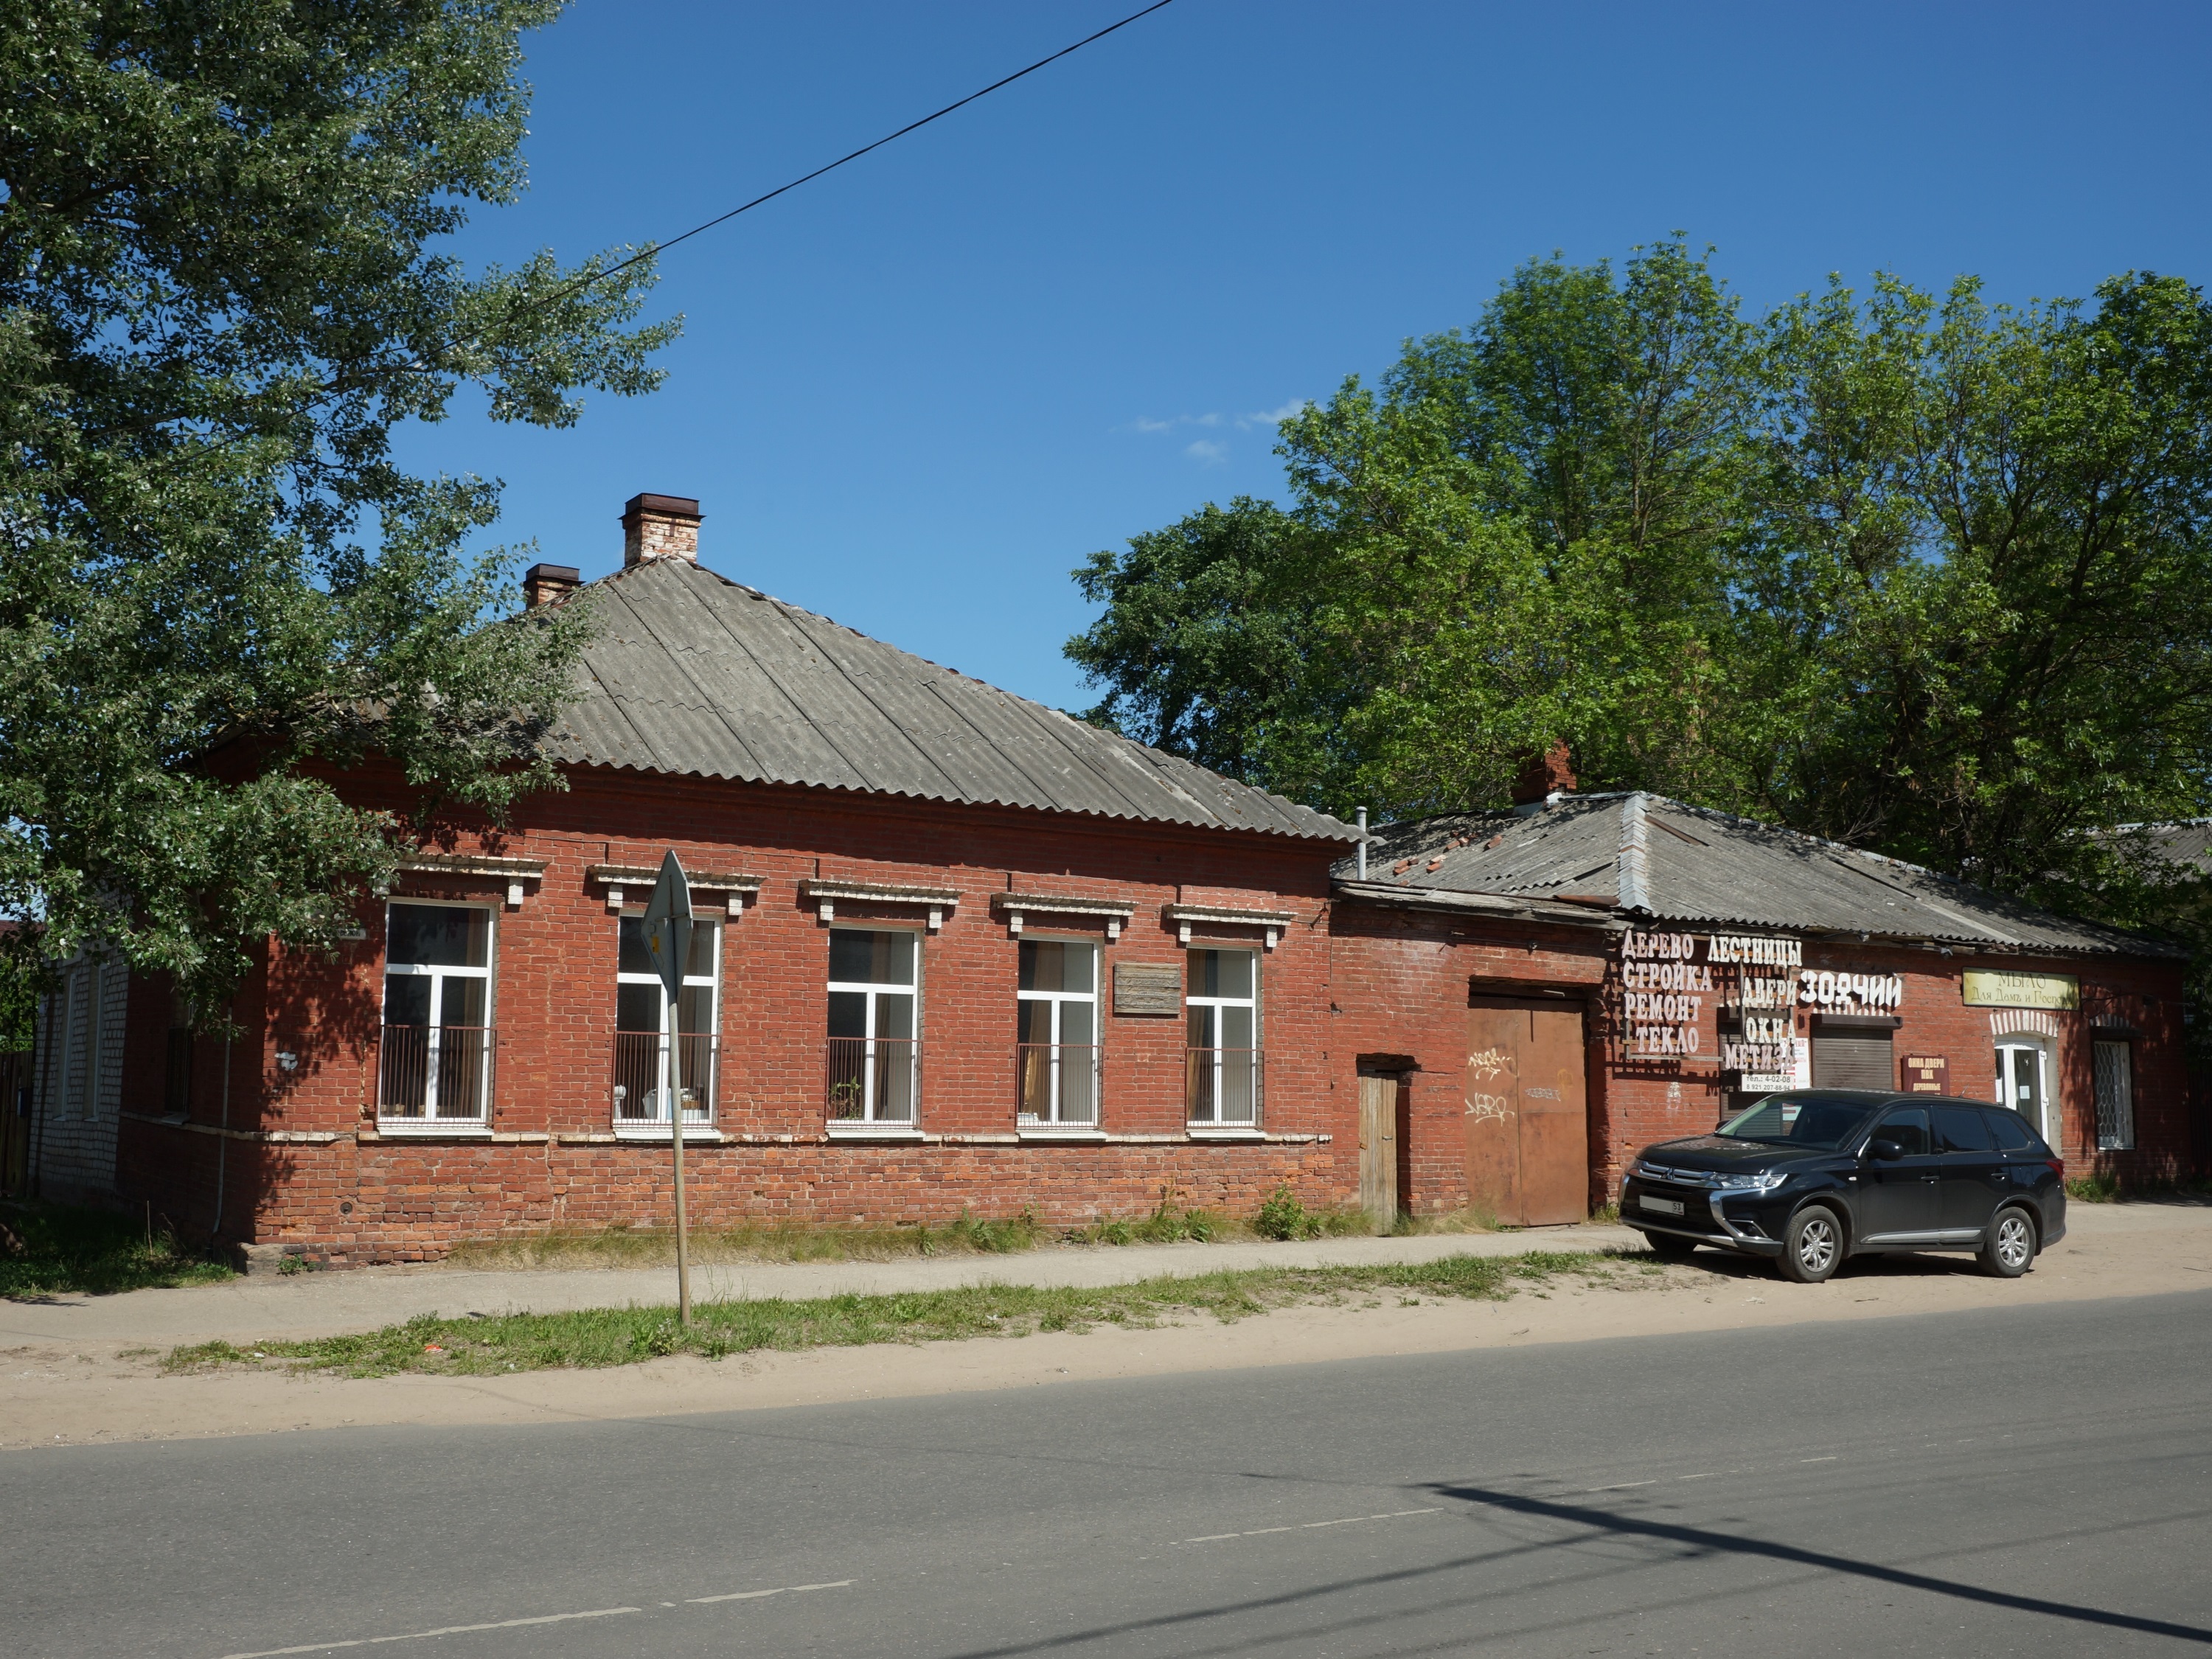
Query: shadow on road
[[1705, 1541]]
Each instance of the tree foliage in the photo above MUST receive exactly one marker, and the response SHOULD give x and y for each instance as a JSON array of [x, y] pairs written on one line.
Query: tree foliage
[[222, 285], [1914, 571]]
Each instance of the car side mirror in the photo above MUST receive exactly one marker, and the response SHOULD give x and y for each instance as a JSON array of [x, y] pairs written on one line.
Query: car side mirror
[[1886, 1150]]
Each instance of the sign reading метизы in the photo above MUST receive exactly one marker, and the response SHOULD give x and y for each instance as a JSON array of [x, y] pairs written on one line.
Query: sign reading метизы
[[2002, 987]]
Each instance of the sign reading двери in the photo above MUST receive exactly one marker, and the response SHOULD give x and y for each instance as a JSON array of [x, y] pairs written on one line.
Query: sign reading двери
[[2002, 987]]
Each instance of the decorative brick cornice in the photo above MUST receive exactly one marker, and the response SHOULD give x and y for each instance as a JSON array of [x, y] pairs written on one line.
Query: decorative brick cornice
[[1271, 923], [824, 892], [1014, 906]]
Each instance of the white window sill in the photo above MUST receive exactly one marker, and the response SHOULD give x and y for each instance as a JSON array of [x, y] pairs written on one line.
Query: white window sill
[[692, 1131], [439, 1128], [1087, 1131], [860, 1129], [1225, 1132]]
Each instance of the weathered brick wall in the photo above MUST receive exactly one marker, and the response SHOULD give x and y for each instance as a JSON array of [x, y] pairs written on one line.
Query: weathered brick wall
[[302, 1159], [339, 1185], [1402, 980]]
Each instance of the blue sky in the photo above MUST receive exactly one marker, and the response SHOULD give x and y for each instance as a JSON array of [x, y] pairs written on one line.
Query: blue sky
[[914, 394]]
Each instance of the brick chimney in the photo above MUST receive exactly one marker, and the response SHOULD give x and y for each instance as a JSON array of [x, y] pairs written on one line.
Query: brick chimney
[[1544, 779], [543, 583], [660, 527]]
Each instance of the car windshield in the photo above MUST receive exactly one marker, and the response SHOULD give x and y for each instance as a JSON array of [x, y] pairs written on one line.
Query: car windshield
[[1817, 1122]]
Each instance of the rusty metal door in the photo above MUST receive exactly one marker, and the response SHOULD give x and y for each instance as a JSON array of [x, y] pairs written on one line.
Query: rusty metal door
[[1528, 1123], [1378, 1150]]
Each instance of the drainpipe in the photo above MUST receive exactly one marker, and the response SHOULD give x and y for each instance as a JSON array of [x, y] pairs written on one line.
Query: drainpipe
[[221, 1144], [37, 1174], [1363, 843]]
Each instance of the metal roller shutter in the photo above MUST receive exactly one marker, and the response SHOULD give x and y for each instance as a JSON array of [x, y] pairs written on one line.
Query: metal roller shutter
[[1852, 1060]]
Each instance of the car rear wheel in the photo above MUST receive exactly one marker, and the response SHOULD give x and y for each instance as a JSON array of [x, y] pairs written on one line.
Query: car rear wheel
[[1812, 1245], [1669, 1248], [2009, 1246]]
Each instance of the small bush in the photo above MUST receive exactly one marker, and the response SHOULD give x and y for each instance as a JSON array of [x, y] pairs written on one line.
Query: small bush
[[2098, 1186], [1282, 1217]]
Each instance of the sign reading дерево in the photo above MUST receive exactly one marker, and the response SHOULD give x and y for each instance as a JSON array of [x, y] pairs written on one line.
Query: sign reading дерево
[[2002, 987]]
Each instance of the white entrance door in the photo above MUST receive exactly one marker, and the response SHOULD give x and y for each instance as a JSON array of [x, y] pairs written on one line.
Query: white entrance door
[[2023, 1083]]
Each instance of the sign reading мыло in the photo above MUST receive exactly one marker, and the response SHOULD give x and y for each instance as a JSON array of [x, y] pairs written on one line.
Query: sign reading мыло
[[2002, 987]]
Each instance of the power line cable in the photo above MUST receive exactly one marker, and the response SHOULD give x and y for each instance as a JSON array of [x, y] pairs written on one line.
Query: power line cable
[[655, 249], [911, 126]]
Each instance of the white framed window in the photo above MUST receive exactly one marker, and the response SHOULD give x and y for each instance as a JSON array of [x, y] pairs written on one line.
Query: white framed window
[[434, 1065], [2114, 1062], [1056, 1031], [1222, 1047], [648, 1076], [874, 1056]]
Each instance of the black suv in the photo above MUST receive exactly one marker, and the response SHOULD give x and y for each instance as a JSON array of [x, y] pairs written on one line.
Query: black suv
[[1811, 1175]]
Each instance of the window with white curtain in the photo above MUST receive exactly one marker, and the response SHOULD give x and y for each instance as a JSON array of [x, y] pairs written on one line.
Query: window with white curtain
[[1057, 1031], [1222, 1049]]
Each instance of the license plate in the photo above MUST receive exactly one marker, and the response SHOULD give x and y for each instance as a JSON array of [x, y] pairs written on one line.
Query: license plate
[[1661, 1205]]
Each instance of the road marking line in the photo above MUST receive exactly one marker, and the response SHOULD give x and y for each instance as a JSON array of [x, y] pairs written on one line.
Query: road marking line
[[1624, 1486], [1819, 1460], [421, 1635], [1714, 1474], [1308, 1526], [755, 1595]]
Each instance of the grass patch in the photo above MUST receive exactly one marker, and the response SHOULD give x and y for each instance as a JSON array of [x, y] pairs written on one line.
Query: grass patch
[[624, 1336], [2103, 1187], [655, 1246], [965, 1234], [50, 1250]]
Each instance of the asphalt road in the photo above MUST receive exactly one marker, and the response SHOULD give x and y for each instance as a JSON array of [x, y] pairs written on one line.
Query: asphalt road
[[2029, 1481]]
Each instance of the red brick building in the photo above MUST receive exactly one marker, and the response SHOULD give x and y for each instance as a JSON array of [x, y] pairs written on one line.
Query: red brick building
[[1550, 989], [959, 951]]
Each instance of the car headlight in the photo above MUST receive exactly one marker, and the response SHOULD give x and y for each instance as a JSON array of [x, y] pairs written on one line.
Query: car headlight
[[1750, 1183]]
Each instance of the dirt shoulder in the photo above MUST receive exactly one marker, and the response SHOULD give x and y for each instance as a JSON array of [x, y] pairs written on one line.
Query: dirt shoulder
[[80, 1390]]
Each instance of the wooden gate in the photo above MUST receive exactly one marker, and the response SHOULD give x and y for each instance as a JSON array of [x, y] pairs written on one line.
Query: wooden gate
[[1378, 1150], [1528, 1125]]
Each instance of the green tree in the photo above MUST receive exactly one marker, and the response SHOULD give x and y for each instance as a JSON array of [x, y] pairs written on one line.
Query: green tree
[[1977, 616], [222, 287], [1913, 572], [1197, 638], [1521, 535]]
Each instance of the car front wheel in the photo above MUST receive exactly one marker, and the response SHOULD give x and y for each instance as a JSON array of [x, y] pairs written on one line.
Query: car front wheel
[[2009, 1246], [1812, 1245]]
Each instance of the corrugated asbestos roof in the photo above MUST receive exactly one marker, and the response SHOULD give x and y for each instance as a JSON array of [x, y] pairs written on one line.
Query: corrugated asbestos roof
[[696, 675], [1644, 855], [2184, 844]]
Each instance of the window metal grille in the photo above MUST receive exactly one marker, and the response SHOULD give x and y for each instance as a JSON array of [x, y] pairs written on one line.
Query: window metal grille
[[2116, 1096]]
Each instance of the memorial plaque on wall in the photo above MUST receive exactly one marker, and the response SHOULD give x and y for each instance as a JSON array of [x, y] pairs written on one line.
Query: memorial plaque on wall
[[1148, 988], [1925, 1075]]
